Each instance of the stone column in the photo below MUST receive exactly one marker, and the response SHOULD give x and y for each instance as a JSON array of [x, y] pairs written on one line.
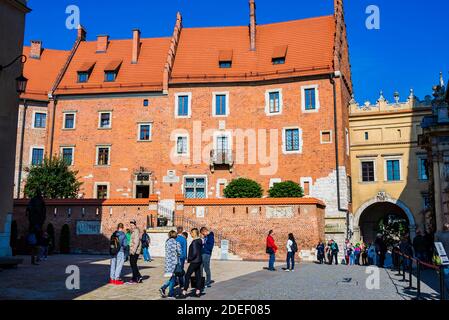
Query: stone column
[[5, 249]]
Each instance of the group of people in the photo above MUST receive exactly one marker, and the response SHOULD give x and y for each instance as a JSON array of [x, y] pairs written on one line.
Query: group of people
[[271, 249], [130, 244], [421, 248], [39, 242]]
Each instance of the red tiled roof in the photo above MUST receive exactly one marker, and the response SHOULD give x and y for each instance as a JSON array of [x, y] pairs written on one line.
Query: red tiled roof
[[146, 75], [42, 73]]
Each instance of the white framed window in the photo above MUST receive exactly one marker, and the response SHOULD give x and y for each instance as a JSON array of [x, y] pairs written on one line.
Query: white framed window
[[144, 131], [69, 120], [68, 154], [326, 136], [273, 102], [182, 145], [39, 120], [183, 105], [37, 155], [220, 104], [273, 181], [221, 185], [222, 140], [310, 100], [103, 155], [101, 190], [368, 170], [423, 174], [292, 140], [105, 120], [194, 186], [393, 169]]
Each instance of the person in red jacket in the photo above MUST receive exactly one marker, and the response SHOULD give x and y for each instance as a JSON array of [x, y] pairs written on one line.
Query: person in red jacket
[[271, 250]]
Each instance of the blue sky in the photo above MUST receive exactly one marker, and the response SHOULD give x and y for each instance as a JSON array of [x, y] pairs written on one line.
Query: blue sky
[[408, 51]]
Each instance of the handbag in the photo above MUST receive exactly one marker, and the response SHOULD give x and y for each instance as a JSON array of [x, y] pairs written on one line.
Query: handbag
[[270, 250], [179, 271]]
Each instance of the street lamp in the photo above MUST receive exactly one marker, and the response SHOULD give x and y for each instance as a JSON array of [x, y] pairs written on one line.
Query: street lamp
[[21, 81]]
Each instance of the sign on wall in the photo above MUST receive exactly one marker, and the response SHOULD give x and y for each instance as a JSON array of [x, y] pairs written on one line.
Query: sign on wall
[[200, 212], [84, 228], [279, 212]]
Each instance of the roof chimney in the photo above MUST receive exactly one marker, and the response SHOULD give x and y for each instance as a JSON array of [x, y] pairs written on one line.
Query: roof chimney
[[81, 33], [36, 49], [136, 46], [252, 24], [102, 43]]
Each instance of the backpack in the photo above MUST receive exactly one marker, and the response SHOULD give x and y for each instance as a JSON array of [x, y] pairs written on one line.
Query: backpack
[[114, 244], [294, 247], [145, 240]]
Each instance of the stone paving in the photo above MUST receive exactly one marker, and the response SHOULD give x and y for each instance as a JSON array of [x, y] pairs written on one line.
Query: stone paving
[[234, 280]]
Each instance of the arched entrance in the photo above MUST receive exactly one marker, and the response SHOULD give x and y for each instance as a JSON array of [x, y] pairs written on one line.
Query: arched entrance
[[383, 214]]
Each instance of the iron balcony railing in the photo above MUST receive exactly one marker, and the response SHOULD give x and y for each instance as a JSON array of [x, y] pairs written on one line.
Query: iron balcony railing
[[221, 156]]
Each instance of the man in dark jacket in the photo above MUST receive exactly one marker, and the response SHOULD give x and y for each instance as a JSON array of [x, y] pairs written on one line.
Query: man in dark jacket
[[381, 250], [206, 253], [419, 244]]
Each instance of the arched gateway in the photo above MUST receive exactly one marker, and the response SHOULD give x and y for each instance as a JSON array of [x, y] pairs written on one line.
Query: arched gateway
[[368, 216]]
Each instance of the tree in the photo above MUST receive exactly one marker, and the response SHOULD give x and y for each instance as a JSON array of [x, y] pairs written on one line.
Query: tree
[[286, 189], [243, 188], [53, 178]]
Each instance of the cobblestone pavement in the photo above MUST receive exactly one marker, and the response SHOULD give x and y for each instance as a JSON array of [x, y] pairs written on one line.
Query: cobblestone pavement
[[234, 280]]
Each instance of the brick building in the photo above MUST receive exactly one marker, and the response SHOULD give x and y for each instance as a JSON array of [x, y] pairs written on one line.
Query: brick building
[[187, 114]]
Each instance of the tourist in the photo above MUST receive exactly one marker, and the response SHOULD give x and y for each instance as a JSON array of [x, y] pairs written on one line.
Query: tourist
[[320, 252], [350, 254], [194, 259], [364, 254], [430, 247], [271, 250], [185, 234], [117, 250], [328, 252], [372, 254], [134, 251], [420, 246], [44, 241], [381, 250], [334, 252], [406, 248], [292, 248], [146, 246], [128, 241], [206, 252], [357, 253], [346, 251], [33, 247], [172, 262], [182, 240]]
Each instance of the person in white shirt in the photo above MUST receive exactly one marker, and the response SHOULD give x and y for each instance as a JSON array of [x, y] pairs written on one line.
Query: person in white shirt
[[292, 248]]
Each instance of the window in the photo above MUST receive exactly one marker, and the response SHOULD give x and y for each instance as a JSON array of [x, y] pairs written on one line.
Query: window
[[67, 155], [220, 104], [145, 103], [40, 120], [310, 98], [195, 187], [326, 137], [183, 105], [225, 64], [104, 120], [426, 201], [182, 145], [366, 136], [103, 155], [69, 121], [110, 76], [83, 77], [37, 156], [292, 140], [273, 102], [101, 191], [145, 132], [280, 60], [423, 169], [368, 172], [393, 170]]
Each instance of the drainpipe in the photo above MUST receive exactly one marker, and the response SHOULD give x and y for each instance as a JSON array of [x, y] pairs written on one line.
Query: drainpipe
[[332, 76], [55, 102], [22, 138]]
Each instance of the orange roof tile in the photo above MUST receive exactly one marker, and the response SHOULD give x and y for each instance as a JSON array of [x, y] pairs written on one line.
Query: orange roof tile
[[225, 55], [86, 66], [146, 75], [42, 73], [113, 65]]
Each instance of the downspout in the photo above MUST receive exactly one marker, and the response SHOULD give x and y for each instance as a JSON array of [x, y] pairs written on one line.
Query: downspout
[[332, 77], [55, 102], [22, 138]]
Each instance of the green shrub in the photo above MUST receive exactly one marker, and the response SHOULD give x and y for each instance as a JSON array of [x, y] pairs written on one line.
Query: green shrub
[[243, 188], [286, 189]]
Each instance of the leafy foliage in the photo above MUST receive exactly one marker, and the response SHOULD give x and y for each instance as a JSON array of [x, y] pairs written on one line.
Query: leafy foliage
[[243, 188], [286, 189], [53, 178]]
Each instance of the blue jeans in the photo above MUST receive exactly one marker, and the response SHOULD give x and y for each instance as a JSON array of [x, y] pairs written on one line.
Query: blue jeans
[[206, 267], [291, 259], [271, 261], [180, 279], [170, 284], [146, 254], [117, 265]]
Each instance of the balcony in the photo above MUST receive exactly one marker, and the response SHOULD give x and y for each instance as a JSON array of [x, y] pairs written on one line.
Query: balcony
[[221, 159]]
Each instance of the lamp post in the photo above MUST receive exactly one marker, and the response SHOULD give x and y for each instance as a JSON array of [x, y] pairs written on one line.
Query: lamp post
[[21, 81]]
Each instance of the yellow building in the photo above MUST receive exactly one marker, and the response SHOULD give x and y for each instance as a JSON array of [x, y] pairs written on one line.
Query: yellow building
[[389, 170]]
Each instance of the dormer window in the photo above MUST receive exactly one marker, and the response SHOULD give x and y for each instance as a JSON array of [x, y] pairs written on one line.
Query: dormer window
[[279, 54], [225, 59], [111, 70], [84, 71]]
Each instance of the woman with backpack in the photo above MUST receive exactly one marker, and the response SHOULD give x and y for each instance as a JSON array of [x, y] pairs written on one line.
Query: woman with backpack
[[172, 264], [292, 248], [146, 246]]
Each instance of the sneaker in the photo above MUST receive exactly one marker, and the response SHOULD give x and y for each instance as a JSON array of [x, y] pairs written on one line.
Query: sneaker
[[140, 280], [131, 282], [293, 270], [111, 281], [287, 270], [162, 292], [118, 282]]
